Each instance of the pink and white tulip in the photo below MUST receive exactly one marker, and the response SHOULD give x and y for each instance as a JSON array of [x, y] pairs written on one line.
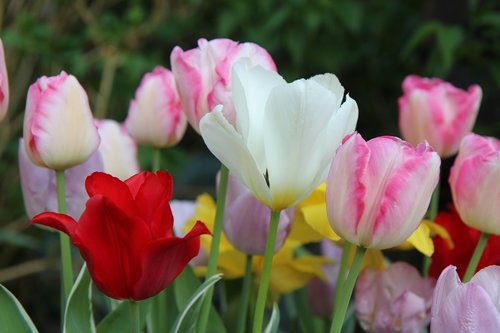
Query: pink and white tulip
[[59, 130], [118, 150], [38, 184], [378, 191], [4, 84], [155, 116], [246, 220], [203, 75], [395, 300], [437, 111], [474, 181], [473, 307]]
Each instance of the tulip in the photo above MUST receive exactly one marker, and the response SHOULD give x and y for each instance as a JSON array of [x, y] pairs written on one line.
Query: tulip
[[395, 300], [203, 75], [285, 134], [125, 234], [463, 241], [474, 180], [155, 116], [472, 307], [378, 191], [39, 184], [118, 150], [436, 111], [246, 220], [59, 130], [4, 84]]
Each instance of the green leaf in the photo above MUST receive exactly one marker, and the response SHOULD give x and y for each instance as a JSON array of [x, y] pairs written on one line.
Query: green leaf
[[118, 320], [422, 34], [186, 285], [13, 318], [448, 40], [186, 321], [274, 321], [78, 316]]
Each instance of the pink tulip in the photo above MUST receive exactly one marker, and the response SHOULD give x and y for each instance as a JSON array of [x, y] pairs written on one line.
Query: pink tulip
[[38, 184], [118, 150], [155, 116], [59, 130], [395, 300], [436, 111], [246, 220], [474, 181], [320, 294], [4, 84], [378, 191], [473, 307], [203, 75]]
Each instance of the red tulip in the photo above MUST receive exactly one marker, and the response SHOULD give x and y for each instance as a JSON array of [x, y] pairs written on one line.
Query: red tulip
[[465, 239], [125, 234]]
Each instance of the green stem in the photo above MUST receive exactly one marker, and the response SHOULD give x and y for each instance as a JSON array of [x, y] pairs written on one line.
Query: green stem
[[245, 296], [346, 250], [135, 323], [431, 215], [156, 159], [214, 248], [266, 272], [67, 267], [476, 256], [339, 313]]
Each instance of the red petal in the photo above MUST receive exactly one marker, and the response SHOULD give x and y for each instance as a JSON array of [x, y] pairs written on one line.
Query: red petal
[[111, 187], [152, 200], [57, 221], [165, 259], [135, 182], [112, 242]]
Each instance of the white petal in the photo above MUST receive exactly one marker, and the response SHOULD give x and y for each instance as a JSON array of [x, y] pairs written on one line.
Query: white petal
[[227, 145], [332, 83], [251, 87]]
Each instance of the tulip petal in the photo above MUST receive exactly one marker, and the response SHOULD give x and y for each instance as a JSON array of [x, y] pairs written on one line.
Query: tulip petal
[[227, 145], [488, 279], [57, 221], [112, 243], [111, 187], [164, 259], [447, 282], [294, 113]]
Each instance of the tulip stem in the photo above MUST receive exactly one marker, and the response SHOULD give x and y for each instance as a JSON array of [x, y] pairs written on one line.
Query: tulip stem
[[431, 215], [67, 266], [214, 248], [341, 276], [245, 296], [476, 256], [340, 310], [266, 272], [135, 322], [156, 159]]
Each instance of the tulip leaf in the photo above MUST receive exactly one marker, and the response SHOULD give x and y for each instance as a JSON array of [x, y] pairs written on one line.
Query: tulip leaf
[[78, 316], [274, 321], [186, 285], [118, 320], [186, 321], [13, 317]]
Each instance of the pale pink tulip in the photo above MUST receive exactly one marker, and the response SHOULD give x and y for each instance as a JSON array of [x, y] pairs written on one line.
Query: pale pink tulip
[[59, 130], [246, 220], [473, 307], [203, 75], [436, 111], [378, 191], [4, 84], [395, 300], [155, 116], [475, 183], [38, 184], [118, 150]]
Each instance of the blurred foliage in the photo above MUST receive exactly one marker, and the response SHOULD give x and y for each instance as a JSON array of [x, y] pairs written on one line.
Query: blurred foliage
[[109, 44]]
